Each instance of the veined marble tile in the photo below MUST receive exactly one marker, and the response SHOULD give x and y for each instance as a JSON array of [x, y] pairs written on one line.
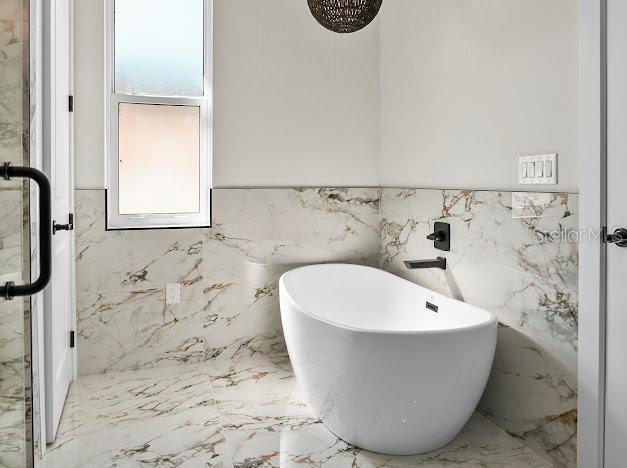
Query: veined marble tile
[[13, 443], [11, 134], [239, 410], [11, 213], [289, 226], [513, 254], [481, 444], [131, 260], [124, 330], [12, 381], [129, 330], [184, 440], [514, 266], [532, 394], [229, 274], [12, 437], [11, 350], [258, 393], [11, 63], [11, 210], [267, 423], [155, 417], [106, 401], [258, 235]]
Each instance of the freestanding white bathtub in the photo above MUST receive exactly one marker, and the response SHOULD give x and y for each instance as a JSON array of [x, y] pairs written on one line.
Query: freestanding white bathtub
[[385, 364]]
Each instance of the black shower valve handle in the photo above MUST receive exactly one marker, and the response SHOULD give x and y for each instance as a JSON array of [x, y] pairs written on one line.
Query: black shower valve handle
[[441, 236], [437, 236]]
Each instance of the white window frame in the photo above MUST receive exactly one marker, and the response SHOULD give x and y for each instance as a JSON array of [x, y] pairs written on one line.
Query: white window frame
[[115, 220]]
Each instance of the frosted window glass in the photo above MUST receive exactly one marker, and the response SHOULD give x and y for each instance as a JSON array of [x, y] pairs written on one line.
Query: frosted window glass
[[159, 47], [159, 159]]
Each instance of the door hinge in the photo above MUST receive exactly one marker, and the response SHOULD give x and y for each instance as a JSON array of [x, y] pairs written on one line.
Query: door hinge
[[72, 339], [70, 103]]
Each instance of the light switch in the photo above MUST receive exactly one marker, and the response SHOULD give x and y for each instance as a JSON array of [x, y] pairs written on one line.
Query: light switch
[[538, 169], [548, 169]]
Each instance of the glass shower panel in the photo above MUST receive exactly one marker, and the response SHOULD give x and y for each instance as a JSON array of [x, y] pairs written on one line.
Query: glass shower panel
[[159, 47], [15, 429]]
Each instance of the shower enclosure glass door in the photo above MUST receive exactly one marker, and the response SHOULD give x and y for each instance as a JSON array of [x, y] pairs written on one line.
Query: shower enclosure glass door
[[15, 374]]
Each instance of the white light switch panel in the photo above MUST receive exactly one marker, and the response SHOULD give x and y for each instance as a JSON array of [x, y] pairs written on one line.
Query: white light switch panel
[[539, 169], [172, 293]]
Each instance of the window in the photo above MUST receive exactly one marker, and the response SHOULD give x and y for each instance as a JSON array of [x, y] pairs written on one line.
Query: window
[[159, 112]]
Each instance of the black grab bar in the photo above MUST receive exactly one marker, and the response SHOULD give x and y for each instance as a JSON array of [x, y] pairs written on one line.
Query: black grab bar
[[10, 290]]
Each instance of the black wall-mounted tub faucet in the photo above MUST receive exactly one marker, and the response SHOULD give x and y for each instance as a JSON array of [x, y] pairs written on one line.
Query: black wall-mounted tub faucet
[[439, 262]]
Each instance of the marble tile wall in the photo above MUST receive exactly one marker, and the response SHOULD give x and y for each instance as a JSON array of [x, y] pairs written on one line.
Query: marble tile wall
[[13, 137], [516, 255], [511, 253], [229, 274]]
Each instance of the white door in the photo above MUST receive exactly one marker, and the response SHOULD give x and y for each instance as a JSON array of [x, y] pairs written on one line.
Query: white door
[[616, 335], [59, 300]]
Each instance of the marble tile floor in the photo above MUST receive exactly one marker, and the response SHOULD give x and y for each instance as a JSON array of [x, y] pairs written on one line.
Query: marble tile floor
[[240, 412]]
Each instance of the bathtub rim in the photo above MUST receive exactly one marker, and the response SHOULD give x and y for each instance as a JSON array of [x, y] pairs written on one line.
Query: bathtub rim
[[491, 321]]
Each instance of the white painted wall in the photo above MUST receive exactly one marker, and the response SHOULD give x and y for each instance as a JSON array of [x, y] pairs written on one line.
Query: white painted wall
[[438, 93], [295, 105], [89, 123], [469, 85]]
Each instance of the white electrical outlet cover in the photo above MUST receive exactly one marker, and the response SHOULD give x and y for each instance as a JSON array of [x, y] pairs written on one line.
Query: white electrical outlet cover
[[173, 293]]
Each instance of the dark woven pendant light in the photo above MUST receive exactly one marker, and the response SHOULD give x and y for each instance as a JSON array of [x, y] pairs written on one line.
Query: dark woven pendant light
[[344, 16]]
